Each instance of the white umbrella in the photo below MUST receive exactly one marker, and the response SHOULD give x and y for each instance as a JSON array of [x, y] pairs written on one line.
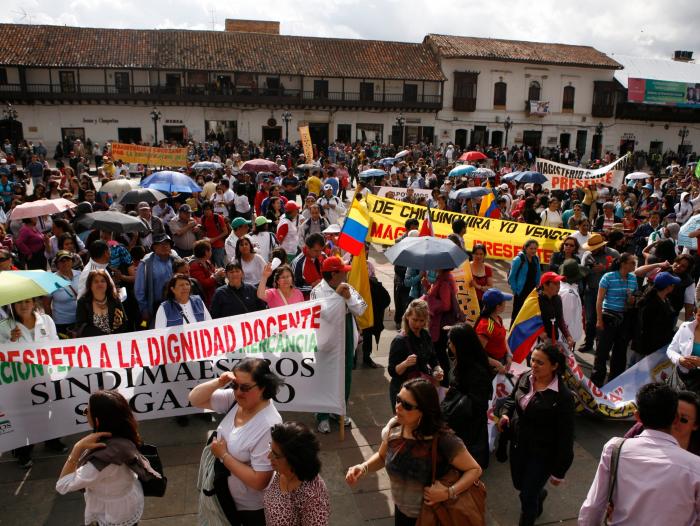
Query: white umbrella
[[117, 187], [484, 172], [42, 207], [635, 176], [402, 153]]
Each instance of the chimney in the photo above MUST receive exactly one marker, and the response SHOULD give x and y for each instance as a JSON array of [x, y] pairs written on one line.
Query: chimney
[[683, 56], [252, 26]]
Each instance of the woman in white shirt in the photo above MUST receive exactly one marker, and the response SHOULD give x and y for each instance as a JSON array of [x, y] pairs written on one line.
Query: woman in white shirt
[[551, 216], [252, 264], [180, 307], [107, 464], [243, 437]]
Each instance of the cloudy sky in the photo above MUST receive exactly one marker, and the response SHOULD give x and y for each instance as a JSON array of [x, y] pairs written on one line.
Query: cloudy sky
[[647, 29]]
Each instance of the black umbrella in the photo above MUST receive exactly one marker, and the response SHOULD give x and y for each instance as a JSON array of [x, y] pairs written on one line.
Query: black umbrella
[[112, 222], [137, 195]]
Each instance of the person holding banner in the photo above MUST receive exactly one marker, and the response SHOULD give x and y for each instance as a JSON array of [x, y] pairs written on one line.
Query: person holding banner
[[540, 415], [242, 441], [524, 274], [284, 292], [99, 311], [180, 307], [109, 471]]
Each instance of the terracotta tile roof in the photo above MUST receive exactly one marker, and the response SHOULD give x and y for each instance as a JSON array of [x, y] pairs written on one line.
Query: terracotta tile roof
[[519, 51], [59, 46]]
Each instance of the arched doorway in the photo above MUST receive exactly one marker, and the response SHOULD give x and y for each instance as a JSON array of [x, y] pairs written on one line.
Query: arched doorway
[[461, 138]]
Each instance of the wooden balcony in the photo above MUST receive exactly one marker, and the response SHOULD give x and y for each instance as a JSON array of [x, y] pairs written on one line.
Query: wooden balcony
[[206, 95]]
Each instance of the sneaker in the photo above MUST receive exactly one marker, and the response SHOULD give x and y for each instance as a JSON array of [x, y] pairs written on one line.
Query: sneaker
[[368, 362], [324, 427], [348, 420]]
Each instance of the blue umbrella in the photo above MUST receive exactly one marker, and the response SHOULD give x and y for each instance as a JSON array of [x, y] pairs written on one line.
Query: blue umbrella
[[426, 253], [527, 177], [372, 172], [167, 181], [207, 165], [464, 169], [387, 161], [509, 177], [470, 193]]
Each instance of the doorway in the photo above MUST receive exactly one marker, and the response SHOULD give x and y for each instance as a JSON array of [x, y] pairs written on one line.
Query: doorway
[[344, 133], [497, 139], [626, 145], [174, 134], [564, 140], [319, 134], [69, 136], [533, 139], [479, 136], [129, 135], [581, 138], [272, 133], [11, 129], [461, 139]]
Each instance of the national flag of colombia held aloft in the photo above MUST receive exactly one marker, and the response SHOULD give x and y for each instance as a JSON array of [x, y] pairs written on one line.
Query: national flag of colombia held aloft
[[355, 228]]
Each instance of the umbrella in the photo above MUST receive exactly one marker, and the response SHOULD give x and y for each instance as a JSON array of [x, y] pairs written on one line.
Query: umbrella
[[388, 161], [260, 165], [308, 166], [402, 153], [43, 207], [18, 285], [207, 165], [372, 172], [117, 187], [112, 222], [464, 169], [526, 177], [484, 172], [135, 196], [470, 193], [167, 181], [636, 176], [473, 156], [426, 253]]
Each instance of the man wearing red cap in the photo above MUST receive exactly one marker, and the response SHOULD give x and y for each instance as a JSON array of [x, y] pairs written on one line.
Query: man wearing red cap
[[288, 230], [551, 308], [333, 285]]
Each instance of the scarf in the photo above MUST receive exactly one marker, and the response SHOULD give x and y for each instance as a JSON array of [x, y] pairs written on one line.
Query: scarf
[[120, 451]]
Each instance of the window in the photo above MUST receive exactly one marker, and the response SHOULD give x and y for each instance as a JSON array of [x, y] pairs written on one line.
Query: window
[[320, 89], [3, 76], [173, 81], [369, 132], [344, 133], [499, 94], [410, 92], [603, 98], [656, 147], [121, 82], [67, 81], [568, 100], [535, 91], [465, 91], [366, 91]]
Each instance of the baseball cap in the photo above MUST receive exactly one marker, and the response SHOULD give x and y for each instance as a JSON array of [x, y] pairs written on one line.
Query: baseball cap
[[664, 279], [327, 187], [262, 220], [291, 206], [143, 205], [334, 264], [63, 254], [185, 208], [648, 187], [239, 222], [163, 238], [503, 187], [493, 297], [549, 277]]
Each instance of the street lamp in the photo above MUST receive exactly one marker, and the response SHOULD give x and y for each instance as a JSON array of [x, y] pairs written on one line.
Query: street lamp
[[9, 113], [507, 125], [155, 116], [401, 121], [286, 117], [683, 133]]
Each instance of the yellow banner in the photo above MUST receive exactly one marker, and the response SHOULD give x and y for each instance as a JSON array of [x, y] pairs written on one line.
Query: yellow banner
[[306, 142], [503, 239], [133, 153], [466, 293]]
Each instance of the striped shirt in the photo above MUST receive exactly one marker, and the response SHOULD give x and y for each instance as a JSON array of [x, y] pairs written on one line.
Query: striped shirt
[[617, 290]]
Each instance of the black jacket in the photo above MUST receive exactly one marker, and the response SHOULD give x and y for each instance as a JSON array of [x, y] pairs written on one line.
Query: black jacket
[[402, 347], [656, 322], [545, 428], [84, 322], [551, 309], [230, 301]]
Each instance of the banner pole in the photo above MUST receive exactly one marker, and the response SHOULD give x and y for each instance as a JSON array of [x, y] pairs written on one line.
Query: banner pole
[[341, 421]]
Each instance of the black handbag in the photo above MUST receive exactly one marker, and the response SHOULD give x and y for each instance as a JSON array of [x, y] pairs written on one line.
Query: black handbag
[[154, 487], [456, 409]]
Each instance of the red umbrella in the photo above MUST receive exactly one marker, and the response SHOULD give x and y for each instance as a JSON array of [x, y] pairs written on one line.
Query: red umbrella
[[260, 165], [472, 156]]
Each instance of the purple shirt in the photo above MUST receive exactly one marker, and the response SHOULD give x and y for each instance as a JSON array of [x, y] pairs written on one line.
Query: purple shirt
[[658, 482]]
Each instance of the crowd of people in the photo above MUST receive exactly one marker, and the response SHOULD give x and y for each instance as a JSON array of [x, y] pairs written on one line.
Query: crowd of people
[[254, 240]]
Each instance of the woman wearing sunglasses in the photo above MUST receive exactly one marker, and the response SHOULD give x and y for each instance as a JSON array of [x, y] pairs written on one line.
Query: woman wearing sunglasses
[[568, 250], [405, 452], [242, 439]]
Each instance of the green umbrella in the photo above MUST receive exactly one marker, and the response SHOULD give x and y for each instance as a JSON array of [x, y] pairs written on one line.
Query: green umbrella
[[18, 285]]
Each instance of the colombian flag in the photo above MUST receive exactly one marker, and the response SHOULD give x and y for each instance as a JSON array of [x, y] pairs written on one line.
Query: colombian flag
[[358, 278], [355, 228], [489, 207], [526, 328]]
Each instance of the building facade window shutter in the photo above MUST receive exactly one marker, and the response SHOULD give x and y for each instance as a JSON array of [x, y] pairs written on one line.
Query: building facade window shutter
[[465, 89], [499, 93], [568, 99], [534, 93]]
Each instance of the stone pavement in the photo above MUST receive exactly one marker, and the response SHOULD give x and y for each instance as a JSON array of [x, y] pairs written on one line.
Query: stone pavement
[[29, 497]]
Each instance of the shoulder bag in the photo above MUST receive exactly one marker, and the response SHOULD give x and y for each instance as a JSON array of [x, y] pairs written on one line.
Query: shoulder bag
[[468, 509], [614, 462], [154, 487]]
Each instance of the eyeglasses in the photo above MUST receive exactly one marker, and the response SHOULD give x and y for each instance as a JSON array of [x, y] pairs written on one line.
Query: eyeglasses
[[406, 405], [243, 387], [274, 454]]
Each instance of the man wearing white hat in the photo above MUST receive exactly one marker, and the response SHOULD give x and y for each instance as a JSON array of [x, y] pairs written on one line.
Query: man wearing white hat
[[331, 206]]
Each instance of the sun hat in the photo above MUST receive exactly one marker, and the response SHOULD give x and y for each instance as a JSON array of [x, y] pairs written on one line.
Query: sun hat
[[594, 242]]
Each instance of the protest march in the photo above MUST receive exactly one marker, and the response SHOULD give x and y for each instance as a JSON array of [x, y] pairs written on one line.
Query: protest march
[[417, 319]]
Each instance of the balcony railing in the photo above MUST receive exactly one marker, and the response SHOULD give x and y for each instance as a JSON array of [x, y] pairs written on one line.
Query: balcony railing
[[218, 93]]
